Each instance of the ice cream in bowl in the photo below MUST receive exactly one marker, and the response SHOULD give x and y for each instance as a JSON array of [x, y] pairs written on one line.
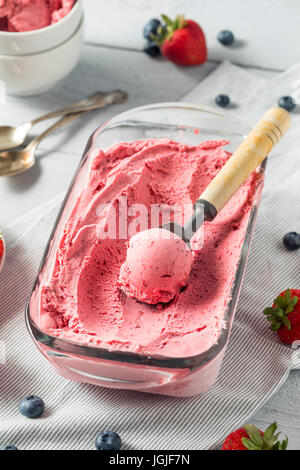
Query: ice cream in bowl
[[40, 43], [28, 15], [138, 168]]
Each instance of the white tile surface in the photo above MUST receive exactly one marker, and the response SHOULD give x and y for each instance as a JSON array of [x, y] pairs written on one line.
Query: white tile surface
[[118, 23]]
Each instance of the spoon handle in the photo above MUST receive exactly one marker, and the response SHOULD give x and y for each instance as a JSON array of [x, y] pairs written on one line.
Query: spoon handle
[[252, 151], [57, 125], [95, 101]]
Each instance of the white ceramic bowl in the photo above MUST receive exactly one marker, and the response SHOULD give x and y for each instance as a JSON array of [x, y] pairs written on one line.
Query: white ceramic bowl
[[42, 39], [32, 74]]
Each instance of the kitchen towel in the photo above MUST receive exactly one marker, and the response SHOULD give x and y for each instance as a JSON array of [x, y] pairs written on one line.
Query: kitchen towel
[[256, 364]]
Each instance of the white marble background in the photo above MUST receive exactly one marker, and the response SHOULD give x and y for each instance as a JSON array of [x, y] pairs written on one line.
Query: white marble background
[[268, 42]]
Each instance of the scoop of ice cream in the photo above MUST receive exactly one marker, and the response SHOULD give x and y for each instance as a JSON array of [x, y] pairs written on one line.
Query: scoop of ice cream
[[157, 266], [29, 15]]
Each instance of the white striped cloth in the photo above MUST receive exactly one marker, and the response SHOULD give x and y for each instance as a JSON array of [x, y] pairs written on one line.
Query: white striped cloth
[[256, 363]]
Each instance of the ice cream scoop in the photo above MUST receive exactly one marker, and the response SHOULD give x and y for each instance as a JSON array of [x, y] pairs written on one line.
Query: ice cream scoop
[[157, 266]]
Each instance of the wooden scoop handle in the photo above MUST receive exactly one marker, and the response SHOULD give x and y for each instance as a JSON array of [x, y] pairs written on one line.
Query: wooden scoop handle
[[252, 151]]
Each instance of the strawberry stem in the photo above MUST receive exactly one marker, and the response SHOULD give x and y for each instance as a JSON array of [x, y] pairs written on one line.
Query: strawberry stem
[[166, 31], [278, 315], [263, 441]]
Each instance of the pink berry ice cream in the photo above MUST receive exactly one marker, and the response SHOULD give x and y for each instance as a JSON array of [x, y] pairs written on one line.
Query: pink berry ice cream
[[157, 266], [28, 15], [81, 299]]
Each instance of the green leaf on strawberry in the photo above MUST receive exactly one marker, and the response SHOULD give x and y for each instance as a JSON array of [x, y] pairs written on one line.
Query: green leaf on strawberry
[[278, 314], [251, 438], [263, 441], [170, 27], [167, 20]]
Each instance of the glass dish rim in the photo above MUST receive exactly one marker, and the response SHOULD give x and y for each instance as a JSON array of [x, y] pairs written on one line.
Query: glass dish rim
[[64, 347]]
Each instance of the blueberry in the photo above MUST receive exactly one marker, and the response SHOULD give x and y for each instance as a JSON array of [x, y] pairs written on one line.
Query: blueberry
[[223, 101], [152, 49], [108, 440], [9, 447], [291, 241], [32, 406], [287, 103], [226, 38], [151, 28]]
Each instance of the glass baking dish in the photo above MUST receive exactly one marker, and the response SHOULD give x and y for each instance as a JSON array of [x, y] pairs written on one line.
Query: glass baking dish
[[175, 376]]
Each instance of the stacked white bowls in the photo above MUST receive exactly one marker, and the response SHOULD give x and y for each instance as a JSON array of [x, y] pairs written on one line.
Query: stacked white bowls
[[34, 61]]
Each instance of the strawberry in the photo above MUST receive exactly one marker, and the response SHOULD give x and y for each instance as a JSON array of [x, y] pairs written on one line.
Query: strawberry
[[284, 316], [1, 247], [182, 41], [251, 438]]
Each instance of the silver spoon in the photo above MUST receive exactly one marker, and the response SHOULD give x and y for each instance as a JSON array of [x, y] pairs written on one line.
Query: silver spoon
[[11, 137], [13, 162]]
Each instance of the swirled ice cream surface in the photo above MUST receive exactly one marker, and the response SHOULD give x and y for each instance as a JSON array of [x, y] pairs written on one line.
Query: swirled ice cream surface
[[81, 300]]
